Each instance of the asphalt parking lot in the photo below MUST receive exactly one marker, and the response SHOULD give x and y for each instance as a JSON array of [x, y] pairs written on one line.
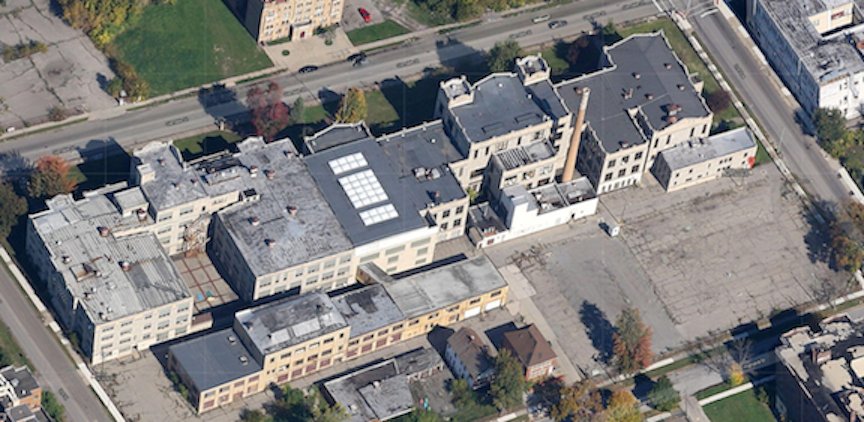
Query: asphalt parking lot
[[67, 75], [696, 261]]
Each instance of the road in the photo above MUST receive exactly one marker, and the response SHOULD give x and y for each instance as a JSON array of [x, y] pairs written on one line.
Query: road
[[163, 121], [747, 74], [54, 369]]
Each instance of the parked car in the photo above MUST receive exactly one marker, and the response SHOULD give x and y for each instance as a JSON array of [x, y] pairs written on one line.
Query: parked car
[[541, 18], [365, 14], [557, 24], [356, 56], [361, 62], [308, 69]]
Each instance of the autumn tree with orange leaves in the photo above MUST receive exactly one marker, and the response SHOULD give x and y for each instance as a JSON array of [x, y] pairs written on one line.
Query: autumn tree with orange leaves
[[269, 115], [50, 177], [631, 350]]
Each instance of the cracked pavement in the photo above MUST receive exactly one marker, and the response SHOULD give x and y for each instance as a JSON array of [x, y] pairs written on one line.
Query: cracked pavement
[[68, 75]]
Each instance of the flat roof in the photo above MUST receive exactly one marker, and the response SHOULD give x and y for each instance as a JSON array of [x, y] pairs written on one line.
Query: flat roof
[[501, 105], [365, 192], [21, 378], [335, 135], [174, 182], [367, 309], [698, 151], [285, 220], [215, 359], [657, 87], [420, 293], [284, 323], [824, 57], [90, 264]]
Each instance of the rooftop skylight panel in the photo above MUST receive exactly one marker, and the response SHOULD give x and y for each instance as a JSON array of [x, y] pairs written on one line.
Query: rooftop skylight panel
[[363, 189], [379, 214], [347, 163]]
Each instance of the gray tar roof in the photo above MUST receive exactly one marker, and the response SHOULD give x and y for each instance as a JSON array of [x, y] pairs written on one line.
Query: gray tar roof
[[425, 147], [335, 135], [469, 348], [501, 105], [90, 263], [279, 240], [400, 193], [697, 151], [608, 111], [175, 182], [424, 292], [290, 321], [21, 413], [22, 377], [367, 309], [825, 58], [214, 359]]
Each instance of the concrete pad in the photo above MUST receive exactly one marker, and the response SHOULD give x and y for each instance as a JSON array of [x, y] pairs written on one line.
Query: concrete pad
[[312, 51]]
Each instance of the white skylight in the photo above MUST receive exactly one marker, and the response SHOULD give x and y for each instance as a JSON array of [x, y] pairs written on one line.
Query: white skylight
[[379, 214], [348, 162], [363, 189]]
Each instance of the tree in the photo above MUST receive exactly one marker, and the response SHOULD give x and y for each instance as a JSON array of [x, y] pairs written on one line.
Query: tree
[[578, 402], [463, 395], [631, 347], [663, 395], [503, 55], [298, 110], [50, 177], [509, 384], [422, 415], [114, 87], [254, 416], [576, 49], [352, 107], [623, 408], [52, 407], [846, 253], [735, 377], [325, 413], [268, 113], [718, 100], [12, 206], [830, 128], [57, 113]]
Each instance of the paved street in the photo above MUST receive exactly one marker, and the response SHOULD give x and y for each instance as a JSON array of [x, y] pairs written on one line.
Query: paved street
[[54, 369], [163, 121]]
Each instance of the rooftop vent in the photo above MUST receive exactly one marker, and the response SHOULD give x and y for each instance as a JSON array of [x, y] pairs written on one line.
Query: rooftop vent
[[194, 182], [104, 231], [125, 265], [578, 90], [161, 161], [671, 119], [142, 215], [820, 356], [176, 186], [232, 339], [254, 221], [628, 94], [649, 96], [253, 171], [66, 259], [637, 75], [269, 173], [667, 65], [625, 144], [244, 360], [672, 109], [270, 242], [681, 87], [292, 210]]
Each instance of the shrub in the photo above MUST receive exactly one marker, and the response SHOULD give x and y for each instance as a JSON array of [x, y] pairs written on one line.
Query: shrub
[[56, 114], [718, 100]]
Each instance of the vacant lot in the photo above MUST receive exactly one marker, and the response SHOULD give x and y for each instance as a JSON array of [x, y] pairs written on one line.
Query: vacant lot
[[188, 44]]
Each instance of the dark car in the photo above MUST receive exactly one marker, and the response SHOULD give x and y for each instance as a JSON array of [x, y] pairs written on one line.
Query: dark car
[[356, 56], [557, 24], [308, 69], [365, 14], [361, 62]]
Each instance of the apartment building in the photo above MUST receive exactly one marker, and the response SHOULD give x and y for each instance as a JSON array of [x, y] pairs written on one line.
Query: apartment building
[[119, 294], [20, 396], [819, 374], [270, 20], [703, 159], [815, 47], [300, 335], [519, 212], [642, 102], [504, 112]]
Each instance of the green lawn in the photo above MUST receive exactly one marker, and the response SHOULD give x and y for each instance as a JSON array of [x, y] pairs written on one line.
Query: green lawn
[[10, 351], [377, 32], [710, 391], [422, 15], [738, 408], [205, 144], [557, 64], [188, 44]]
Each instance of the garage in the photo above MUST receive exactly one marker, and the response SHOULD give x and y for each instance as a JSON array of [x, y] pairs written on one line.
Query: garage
[[492, 305], [472, 312]]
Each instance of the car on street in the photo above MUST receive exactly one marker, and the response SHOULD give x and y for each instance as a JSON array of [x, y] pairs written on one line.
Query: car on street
[[308, 69], [557, 24], [541, 18], [356, 56], [361, 62], [365, 14]]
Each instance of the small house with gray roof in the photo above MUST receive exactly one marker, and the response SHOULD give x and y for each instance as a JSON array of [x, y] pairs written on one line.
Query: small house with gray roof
[[702, 159]]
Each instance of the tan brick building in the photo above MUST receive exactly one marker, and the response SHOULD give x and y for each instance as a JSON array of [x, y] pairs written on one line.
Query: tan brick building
[[270, 20]]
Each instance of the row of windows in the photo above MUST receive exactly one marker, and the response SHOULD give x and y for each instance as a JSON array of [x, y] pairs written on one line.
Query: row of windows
[[621, 173], [162, 314], [625, 159]]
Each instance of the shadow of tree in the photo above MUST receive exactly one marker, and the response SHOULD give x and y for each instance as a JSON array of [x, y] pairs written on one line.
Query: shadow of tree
[[598, 328]]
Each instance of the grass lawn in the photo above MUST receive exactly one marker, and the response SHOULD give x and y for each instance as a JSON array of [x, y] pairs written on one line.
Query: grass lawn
[[425, 17], [762, 156], [473, 413], [188, 44], [557, 64], [382, 115], [740, 407], [205, 144], [10, 352], [710, 391], [377, 32]]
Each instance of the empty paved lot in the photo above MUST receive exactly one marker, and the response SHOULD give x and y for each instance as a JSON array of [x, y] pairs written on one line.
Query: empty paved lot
[[696, 261]]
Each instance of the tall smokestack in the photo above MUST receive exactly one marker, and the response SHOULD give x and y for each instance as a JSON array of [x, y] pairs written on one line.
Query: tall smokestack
[[575, 139]]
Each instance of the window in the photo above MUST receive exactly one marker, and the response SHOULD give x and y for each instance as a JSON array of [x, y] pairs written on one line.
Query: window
[[397, 327], [478, 172], [625, 160], [298, 273], [165, 217], [353, 342], [457, 222], [312, 269], [393, 259], [433, 316], [182, 320], [444, 227], [635, 169], [328, 341], [622, 172], [368, 258], [461, 208], [608, 177], [165, 229], [311, 280], [127, 323], [453, 308], [473, 302], [185, 211], [330, 263], [495, 294], [345, 259], [445, 214], [163, 325], [413, 323], [124, 332], [108, 337], [422, 251], [369, 337], [395, 250], [342, 271], [638, 156], [383, 332], [164, 313], [611, 164], [285, 356], [420, 261]]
